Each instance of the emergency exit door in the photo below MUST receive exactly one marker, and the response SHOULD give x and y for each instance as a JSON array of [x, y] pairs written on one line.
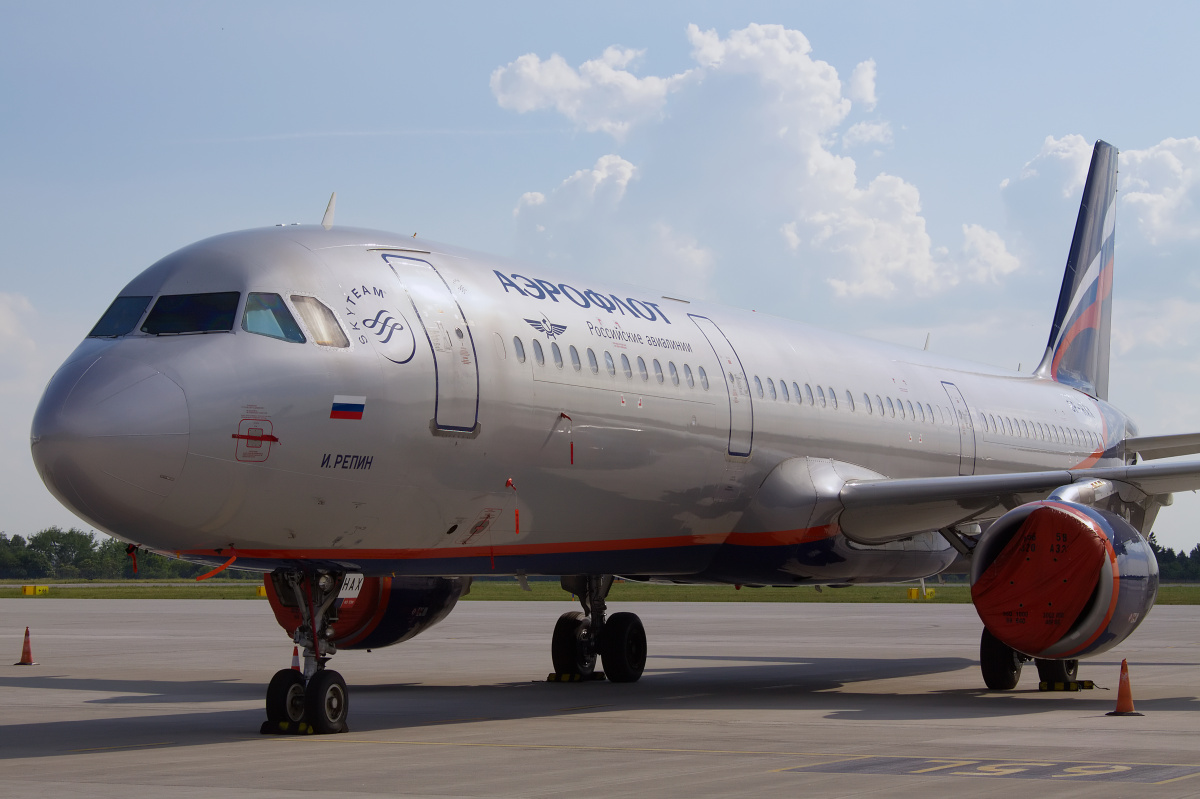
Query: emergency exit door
[[741, 409]]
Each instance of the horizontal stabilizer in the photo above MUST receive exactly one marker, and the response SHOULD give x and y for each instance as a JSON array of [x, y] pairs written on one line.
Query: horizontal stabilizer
[[1153, 447]]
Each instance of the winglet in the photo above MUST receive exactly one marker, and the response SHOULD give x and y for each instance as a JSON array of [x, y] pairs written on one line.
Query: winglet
[[327, 220]]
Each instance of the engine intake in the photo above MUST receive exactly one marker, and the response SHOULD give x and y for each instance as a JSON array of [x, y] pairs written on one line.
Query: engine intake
[[383, 611], [1059, 580]]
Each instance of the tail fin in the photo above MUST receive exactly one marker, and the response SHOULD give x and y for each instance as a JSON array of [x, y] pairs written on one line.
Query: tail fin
[[1077, 353]]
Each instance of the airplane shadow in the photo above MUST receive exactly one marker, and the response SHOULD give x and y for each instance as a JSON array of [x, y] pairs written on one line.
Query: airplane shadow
[[853, 689]]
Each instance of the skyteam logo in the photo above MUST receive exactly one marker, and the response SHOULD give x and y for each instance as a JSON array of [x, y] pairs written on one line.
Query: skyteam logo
[[374, 320], [544, 325]]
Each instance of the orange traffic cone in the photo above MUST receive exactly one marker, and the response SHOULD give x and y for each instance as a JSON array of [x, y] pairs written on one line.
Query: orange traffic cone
[[1124, 694], [26, 653], [295, 658]]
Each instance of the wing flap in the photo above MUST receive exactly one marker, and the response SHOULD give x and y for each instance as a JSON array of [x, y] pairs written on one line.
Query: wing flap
[[1154, 447]]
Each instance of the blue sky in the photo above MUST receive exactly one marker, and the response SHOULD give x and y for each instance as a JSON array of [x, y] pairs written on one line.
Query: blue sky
[[887, 169]]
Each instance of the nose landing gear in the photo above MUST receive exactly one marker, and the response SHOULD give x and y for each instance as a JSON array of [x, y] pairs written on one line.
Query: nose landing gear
[[315, 700], [619, 641]]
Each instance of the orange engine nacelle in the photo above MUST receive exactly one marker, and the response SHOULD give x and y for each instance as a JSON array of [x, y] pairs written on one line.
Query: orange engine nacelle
[[375, 611], [1059, 580]]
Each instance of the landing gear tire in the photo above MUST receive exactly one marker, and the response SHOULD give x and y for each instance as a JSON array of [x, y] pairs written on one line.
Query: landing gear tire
[[1058, 670], [571, 648], [327, 702], [285, 697], [999, 662], [623, 647]]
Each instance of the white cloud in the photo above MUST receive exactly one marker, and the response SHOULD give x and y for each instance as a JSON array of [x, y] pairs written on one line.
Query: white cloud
[[1069, 157], [681, 259], [18, 356], [1161, 189], [602, 95], [759, 97], [867, 133], [861, 88]]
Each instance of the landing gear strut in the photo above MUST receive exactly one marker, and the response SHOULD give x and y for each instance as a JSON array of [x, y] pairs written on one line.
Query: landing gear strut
[[316, 697], [619, 641]]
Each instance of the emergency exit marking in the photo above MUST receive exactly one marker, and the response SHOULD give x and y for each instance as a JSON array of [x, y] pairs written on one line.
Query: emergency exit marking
[[1067, 771]]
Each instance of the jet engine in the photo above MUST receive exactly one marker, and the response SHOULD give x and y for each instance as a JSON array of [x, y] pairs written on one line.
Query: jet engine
[[1059, 580], [372, 612]]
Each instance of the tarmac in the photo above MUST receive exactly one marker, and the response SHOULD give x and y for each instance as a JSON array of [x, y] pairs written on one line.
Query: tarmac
[[147, 698]]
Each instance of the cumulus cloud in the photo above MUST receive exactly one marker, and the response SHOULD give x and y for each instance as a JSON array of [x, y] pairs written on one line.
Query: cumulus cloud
[[602, 95], [868, 238], [1161, 189], [861, 88], [867, 133], [1068, 159]]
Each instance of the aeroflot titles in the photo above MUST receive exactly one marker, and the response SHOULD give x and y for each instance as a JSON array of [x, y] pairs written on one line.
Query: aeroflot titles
[[541, 289]]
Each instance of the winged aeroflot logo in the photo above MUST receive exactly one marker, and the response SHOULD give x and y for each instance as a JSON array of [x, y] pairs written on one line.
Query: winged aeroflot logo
[[544, 325]]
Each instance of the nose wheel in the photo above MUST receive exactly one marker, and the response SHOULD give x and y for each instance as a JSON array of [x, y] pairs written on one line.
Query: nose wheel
[[316, 699]]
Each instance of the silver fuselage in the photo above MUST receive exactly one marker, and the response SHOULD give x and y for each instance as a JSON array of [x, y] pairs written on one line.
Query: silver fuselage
[[219, 443]]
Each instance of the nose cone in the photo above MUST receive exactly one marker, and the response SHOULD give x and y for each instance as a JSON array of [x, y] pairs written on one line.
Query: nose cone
[[109, 440]]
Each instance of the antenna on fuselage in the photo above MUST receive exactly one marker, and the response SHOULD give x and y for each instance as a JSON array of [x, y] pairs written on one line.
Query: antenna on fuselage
[[327, 220], [927, 335]]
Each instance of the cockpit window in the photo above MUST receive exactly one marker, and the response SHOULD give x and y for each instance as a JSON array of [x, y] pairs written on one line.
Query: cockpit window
[[267, 315], [192, 313], [321, 322], [121, 317]]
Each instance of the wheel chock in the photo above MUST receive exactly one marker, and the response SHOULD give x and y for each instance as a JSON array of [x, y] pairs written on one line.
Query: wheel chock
[[569, 677], [285, 728], [1074, 685]]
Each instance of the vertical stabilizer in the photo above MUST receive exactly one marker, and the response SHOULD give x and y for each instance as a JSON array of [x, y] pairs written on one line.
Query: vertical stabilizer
[[1077, 353]]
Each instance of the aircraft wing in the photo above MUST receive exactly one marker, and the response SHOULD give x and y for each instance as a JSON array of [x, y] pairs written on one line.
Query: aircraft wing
[[1153, 447], [875, 511]]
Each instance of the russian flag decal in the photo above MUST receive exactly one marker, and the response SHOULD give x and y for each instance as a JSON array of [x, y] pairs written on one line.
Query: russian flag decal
[[347, 407]]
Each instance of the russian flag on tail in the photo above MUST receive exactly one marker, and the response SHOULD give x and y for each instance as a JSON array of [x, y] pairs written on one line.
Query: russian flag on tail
[[347, 407]]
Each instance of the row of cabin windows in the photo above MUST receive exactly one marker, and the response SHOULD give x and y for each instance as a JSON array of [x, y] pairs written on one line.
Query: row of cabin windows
[[1022, 428], [884, 406], [610, 365]]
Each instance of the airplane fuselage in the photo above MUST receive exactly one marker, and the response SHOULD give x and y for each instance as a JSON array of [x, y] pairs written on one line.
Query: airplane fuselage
[[488, 417]]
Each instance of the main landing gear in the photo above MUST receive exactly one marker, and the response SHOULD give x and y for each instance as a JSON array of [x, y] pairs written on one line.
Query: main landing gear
[[315, 699], [1001, 665], [619, 641]]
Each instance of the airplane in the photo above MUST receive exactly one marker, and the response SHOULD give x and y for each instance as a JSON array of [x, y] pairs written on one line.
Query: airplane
[[372, 420]]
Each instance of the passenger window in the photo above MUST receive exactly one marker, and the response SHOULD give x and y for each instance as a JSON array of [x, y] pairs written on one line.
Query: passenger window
[[911, 415], [867, 402], [1008, 425], [929, 411], [821, 396], [900, 406], [658, 372], [625, 365], [891, 407], [783, 390], [642, 368], [538, 355], [121, 317], [771, 388], [992, 422], [192, 313], [703, 378], [796, 391], [758, 386], [674, 373], [575, 362], [879, 404], [921, 411], [266, 315], [519, 348], [808, 393], [592, 362], [687, 375], [321, 323], [832, 398], [556, 353], [608, 363], [849, 400]]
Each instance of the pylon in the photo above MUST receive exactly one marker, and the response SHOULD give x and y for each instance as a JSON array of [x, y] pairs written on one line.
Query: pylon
[[1124, 694], [295, 658], [26, 653]]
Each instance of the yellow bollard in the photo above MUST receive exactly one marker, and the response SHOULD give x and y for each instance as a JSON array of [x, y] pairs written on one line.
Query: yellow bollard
[[914, 593], [929, 593]]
